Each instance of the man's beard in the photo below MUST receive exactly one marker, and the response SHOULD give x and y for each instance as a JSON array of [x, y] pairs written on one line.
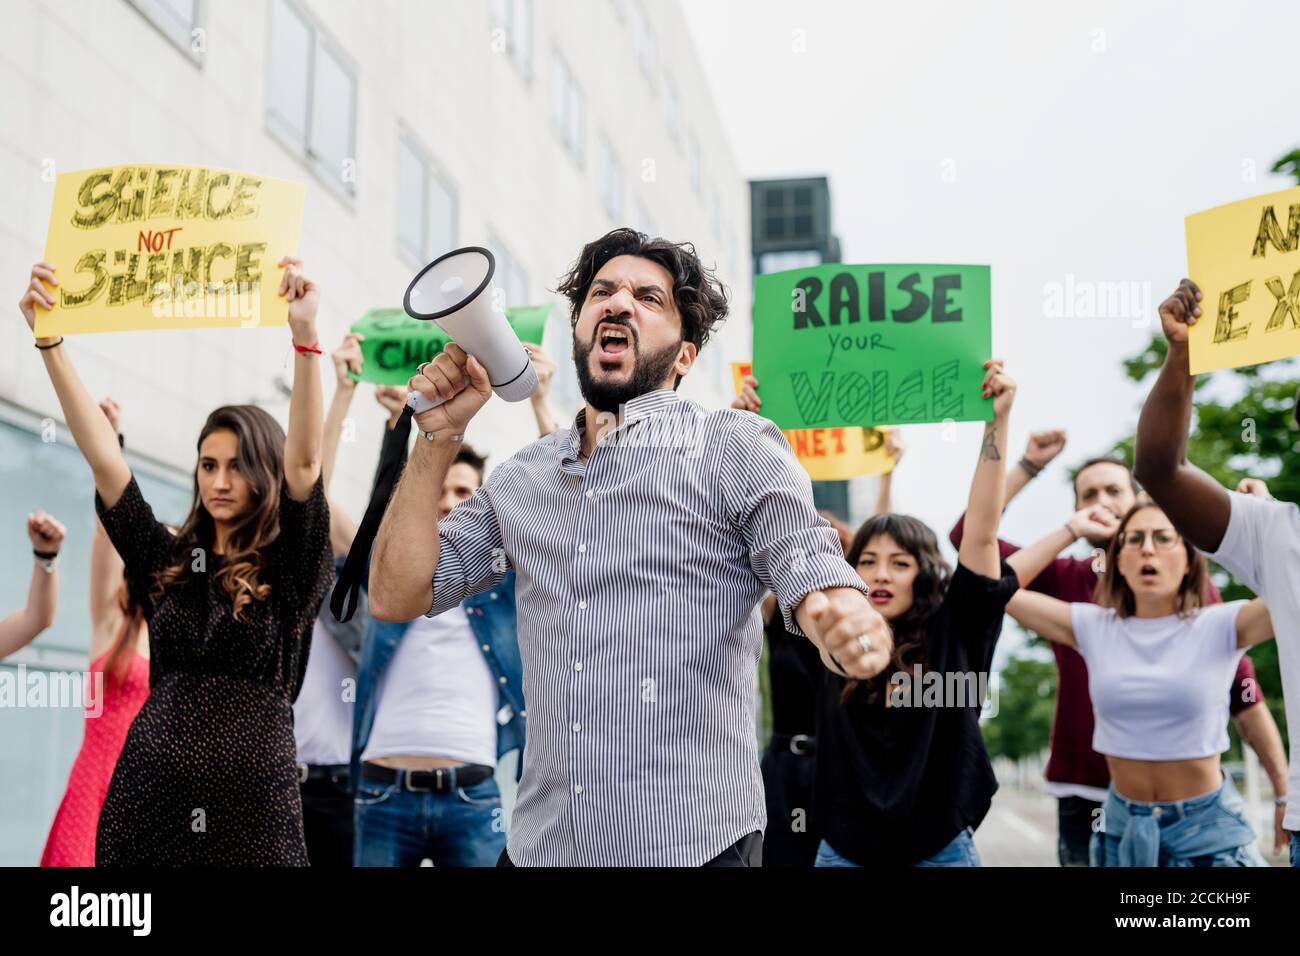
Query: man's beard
[[648, 374]]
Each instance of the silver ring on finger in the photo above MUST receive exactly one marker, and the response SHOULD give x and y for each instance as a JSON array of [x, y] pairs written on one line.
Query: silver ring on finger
[[864, 642]]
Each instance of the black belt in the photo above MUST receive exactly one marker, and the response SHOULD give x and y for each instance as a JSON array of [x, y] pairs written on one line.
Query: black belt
[[801, 744], [437, 780], [323, 771]]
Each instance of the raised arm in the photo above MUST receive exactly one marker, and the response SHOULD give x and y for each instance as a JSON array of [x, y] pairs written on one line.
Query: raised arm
[[1029, 562], [405, 555], [105, 562], [302, 446], [979, 545], [95, 437], [1044, 615], [21, 627], [545, 367], [346, 358], [1194, 502], [885, 487]]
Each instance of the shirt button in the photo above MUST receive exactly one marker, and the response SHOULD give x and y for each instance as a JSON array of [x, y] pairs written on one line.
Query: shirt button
[[590, 492], [501, 679], [577, 788], [487, 647], [494, 595], [582, 549], [582, 605], [577, 728], [577, 665]]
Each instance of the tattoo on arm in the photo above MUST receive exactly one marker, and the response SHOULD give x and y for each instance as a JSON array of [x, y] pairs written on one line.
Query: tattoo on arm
[[990, 450]]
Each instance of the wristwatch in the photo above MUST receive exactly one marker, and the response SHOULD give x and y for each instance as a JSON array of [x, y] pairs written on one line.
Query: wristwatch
[[433, 436]]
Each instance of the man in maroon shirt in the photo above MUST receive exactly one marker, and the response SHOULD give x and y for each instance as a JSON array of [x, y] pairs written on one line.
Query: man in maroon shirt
[[1076, 774]]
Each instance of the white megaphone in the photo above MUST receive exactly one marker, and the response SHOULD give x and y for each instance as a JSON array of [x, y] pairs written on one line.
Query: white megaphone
[[454, 292]]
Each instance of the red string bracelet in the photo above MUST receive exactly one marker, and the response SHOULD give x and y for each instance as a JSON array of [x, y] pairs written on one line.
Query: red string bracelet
[[314, 348]]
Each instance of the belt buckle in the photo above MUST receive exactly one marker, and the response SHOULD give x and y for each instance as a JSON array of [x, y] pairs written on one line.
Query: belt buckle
[[797, 742], [302, 772]]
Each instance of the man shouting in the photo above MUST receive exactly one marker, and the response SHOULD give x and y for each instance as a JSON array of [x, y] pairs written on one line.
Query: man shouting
[[642, 538]]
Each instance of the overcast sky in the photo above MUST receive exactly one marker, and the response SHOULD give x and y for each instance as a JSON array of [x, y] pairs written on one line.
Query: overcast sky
[[1045, 141]]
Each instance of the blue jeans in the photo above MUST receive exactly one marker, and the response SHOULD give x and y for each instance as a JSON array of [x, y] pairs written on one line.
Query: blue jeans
[[1295, 848], [960, 852], [397, 827], [1207, 830]]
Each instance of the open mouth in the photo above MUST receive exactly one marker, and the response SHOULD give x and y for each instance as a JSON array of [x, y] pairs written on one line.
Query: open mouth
[[880, 596], [612, 341], [1149, 572]]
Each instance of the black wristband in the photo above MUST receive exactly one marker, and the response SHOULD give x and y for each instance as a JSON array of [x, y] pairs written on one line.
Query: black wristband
[[1030, 468], [121, 440], [51, 345], [45, 555]]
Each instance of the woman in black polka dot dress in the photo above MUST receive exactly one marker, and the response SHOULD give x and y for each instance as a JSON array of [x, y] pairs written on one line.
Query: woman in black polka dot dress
[[208, 772]]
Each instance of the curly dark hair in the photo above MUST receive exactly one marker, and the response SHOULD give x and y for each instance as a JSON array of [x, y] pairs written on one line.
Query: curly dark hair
[[700, 298], [928, 589]]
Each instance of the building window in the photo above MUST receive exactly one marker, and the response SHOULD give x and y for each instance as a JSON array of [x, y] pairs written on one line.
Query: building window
[[510, 276], [673, 111], [697, 166], [611, 181], [515, 19], [567, 108], [177, 20], [311, 96], [643, 44], [426, 205]]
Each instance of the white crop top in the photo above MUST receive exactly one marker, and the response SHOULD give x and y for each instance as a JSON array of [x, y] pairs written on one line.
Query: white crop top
[[1157, 684]]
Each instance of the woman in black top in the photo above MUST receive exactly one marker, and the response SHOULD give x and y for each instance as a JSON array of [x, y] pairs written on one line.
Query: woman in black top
[[207, 775], [902, 773]]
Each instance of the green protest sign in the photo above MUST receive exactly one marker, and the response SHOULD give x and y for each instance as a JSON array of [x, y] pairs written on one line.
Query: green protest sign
[[395, 344], [838, 345]]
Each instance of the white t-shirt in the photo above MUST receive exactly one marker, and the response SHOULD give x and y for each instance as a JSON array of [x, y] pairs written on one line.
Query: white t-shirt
[[1157, 683], [322, 714], [437, 697], [1262, 550]]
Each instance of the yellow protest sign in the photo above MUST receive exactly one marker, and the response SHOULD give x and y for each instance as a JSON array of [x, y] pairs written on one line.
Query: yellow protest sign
[[831, 454], [168, 247], [1245, 257]]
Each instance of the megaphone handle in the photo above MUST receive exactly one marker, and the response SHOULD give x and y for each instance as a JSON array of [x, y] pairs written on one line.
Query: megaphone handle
[[419, 404]]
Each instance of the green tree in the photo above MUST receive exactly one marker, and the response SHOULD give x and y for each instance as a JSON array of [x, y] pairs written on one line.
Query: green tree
[[1026, 700]]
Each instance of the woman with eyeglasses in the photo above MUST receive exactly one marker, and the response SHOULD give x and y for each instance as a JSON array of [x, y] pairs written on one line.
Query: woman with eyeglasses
[[1158, 659]]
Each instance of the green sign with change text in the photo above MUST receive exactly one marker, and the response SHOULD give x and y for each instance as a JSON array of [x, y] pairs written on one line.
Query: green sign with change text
[[395, 344], [839, 345]]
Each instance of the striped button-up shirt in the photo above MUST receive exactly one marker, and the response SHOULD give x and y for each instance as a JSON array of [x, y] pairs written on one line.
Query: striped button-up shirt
[[638, 579]]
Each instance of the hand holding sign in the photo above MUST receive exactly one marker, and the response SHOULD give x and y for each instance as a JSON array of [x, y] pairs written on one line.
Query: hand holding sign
[[347, 360], [303, 297], [544, 365], [36, 295], [443, 381]]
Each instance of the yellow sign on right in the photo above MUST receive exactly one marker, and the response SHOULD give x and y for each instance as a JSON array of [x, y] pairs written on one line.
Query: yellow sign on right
[[1245, 257]]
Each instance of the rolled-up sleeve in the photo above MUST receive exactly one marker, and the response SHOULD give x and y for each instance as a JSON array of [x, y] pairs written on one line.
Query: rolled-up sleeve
[[470, 554], [792, 549]]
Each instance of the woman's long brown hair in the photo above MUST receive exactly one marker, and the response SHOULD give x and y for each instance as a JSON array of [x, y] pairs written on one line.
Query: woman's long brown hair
[[931, 583], [1113, 591], [260, 459]]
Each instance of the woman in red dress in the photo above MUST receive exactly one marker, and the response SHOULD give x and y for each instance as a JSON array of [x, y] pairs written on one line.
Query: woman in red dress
[[119, 657]]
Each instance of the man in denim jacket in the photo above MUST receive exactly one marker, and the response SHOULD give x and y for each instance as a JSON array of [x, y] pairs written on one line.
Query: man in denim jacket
[[439, 701]]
